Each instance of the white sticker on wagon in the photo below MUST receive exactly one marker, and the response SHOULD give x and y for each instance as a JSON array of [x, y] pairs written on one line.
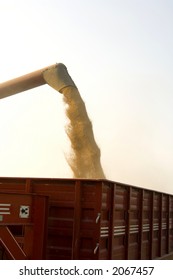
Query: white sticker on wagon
[[24, 211]]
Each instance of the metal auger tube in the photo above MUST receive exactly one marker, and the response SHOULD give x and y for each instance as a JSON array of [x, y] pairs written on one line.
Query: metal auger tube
[[55, 76]]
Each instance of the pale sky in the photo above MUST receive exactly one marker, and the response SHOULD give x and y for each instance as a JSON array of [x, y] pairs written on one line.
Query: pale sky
[[119, 54]]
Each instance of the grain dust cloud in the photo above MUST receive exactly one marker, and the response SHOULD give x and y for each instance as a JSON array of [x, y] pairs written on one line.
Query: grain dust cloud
[[84, 158]]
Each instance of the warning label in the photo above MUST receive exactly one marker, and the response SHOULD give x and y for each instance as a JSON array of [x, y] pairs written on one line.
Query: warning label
[[24, 211]]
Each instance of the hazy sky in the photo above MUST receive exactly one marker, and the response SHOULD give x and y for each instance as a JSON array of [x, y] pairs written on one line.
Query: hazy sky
[[119, 53]]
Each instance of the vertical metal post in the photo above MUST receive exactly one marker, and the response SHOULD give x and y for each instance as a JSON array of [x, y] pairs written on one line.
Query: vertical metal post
[[160, 225], [168, 218], [76, 221], [40, 219], [128, 223], [28, 185], [28, 245], [98, 220], [112, 222], [141, 223], [151, 226]]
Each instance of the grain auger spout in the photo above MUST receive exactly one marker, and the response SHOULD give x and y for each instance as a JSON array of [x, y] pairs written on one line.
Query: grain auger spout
[[55, 76]]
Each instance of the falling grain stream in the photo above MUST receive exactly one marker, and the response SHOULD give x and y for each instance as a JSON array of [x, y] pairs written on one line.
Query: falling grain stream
[[84, 159]]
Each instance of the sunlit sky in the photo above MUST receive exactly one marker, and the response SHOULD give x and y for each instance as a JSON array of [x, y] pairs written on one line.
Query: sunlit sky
[[119, 53]]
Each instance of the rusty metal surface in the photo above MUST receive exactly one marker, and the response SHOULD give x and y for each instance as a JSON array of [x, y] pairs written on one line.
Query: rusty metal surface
[[99, 219]]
